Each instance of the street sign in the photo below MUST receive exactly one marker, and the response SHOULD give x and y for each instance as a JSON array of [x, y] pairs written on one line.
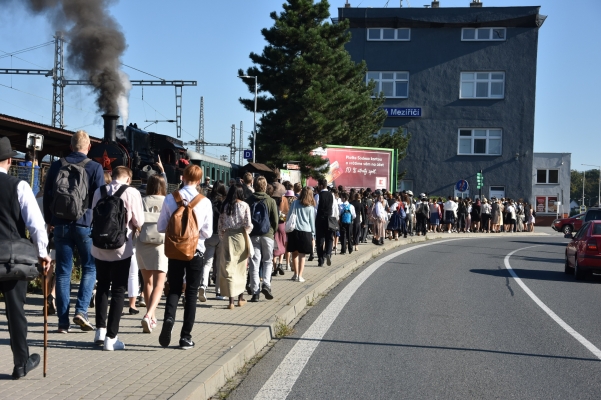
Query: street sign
[[462, 186], [248, 154], [582, 209]]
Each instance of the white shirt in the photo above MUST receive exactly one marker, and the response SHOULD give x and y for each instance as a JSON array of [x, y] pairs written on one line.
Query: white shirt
[[342, 206], [450, 205], [334, 204], [135, 219], [32, 216], [203, 211]]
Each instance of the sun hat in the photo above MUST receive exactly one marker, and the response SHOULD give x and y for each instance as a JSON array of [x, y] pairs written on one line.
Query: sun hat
[[289, 193]]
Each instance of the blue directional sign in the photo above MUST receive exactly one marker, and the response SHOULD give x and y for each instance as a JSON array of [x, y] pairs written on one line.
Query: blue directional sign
[[462, 186], [403, 111], [248, 154]]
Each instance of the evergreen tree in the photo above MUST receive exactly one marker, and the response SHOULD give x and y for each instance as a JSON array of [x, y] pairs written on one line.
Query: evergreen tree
[[312, 93]]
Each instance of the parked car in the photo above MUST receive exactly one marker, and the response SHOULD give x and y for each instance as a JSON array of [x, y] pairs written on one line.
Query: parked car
[[573, 224], [583, 253], [568, 225]]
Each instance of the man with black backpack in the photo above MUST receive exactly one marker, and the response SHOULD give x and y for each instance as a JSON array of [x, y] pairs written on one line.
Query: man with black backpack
[[118, 212], [347, 216], [264, 215], [68, 191]]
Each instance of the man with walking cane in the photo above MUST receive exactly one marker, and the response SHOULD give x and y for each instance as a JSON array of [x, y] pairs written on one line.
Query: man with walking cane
[[18, 211]]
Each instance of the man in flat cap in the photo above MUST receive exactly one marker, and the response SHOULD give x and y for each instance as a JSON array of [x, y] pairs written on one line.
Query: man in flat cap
[[19, 210]]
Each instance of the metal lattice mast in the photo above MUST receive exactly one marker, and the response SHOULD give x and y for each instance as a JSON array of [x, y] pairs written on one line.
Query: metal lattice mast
[[241, 144], [200, 147], [178, 110], [58, 74], [233, 145]]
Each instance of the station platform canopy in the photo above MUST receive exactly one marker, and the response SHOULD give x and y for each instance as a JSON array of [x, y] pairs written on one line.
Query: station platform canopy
[[56, 140]]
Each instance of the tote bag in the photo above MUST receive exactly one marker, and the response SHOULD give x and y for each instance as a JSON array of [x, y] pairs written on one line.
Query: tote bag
[[291, 221]]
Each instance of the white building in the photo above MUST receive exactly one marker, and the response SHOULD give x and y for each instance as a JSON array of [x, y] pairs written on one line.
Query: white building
[[551, 183]]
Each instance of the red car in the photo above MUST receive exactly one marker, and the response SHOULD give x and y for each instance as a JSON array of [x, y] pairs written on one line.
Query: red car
[[583, 254], [568, 225]]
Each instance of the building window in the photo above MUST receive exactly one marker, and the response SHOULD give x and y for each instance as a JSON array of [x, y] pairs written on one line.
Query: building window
[[547, 176], [386, 131], [401, 34], [546, 204], [392, 84], [483, 34], [486, 142], [482, 85]]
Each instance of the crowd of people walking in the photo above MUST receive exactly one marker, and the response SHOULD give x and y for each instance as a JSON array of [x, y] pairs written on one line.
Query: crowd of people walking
[[234, 238]]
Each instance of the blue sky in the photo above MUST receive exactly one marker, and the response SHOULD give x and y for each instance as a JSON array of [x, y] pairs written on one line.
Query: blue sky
[[208, 41]]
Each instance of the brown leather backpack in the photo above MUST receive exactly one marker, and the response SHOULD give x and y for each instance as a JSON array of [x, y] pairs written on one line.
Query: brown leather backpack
[[181, 237]]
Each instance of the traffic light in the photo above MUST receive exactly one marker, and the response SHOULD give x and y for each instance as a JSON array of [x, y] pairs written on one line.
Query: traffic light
[[479, 180]]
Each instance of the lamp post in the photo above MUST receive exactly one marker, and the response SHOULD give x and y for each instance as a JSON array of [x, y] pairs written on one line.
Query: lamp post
[[599, 193], [254, 116]]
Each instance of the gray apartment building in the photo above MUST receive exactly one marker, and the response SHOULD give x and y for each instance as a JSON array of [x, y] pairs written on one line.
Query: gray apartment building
[[462, 81]]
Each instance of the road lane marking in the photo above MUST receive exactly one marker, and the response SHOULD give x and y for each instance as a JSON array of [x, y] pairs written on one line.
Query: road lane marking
[[591, 347], [280, 384]]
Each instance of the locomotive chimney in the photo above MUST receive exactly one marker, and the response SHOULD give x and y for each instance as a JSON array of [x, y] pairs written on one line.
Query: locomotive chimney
[[110, 127]]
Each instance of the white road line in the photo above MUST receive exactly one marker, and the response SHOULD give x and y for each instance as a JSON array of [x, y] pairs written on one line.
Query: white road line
[[279, 385], [591, 347]]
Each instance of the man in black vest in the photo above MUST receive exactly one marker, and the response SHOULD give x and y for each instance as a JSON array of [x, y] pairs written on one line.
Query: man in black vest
[[325, 204], [18, 210]]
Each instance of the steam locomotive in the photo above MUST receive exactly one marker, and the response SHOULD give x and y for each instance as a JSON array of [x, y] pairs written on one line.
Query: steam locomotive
[[137, 149]]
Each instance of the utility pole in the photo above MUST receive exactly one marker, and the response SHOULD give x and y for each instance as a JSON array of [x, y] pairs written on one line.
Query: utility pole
[[583, 181], [58, 98], [233, 145], [200, 147], [241, 149]]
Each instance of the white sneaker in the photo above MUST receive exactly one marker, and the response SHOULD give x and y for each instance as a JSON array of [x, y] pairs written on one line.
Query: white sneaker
[[100, 336], [113, 344], [294, 277], [301, 279], [202, 294], [146, 326]]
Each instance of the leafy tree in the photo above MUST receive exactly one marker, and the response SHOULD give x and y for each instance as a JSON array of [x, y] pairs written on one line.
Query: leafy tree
[[591, 187], [311, 92]]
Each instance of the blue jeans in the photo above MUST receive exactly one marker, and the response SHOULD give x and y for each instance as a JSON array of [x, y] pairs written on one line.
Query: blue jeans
[[66, 238]]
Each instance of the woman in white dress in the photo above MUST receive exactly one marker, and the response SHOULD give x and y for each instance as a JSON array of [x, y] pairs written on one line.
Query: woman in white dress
[[150, 251]]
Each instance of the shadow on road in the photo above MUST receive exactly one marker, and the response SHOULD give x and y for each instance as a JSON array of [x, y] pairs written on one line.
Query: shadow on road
[[416, 346], [542, 275]]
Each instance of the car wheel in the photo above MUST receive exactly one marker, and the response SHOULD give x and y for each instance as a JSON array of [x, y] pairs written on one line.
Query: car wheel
[[567, 229], [567, 269], [579, 273]]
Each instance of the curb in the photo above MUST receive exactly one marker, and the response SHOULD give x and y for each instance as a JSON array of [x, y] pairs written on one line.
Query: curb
[[214, 377]]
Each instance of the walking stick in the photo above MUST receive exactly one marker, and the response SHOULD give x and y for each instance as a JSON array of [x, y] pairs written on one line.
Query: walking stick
[[45, 291]]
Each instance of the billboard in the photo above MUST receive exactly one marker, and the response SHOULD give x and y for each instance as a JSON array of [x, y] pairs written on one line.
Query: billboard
[[359, 167]]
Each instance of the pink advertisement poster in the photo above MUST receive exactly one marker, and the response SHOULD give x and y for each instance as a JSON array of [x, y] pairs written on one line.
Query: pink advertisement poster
[[355, 167]]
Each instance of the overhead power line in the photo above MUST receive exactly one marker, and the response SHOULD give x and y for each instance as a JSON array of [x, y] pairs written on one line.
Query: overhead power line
[[39, 46]]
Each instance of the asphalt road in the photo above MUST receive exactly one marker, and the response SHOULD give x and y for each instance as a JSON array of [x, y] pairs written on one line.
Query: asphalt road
[[445, 320]]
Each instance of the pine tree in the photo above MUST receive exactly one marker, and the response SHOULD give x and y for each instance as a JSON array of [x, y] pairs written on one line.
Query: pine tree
[[312, 93]]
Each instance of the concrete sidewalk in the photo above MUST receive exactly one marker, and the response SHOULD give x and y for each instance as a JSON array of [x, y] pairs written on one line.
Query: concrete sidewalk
[[225, 340]]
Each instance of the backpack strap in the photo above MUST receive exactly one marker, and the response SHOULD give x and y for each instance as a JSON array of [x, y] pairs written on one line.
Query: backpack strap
[[178, 198], [103, 191], [84, 162], [120, 191], [196, 200], [64, 162]]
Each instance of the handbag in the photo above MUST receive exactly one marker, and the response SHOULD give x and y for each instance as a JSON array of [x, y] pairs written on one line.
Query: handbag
[[291, 221], [149, 233], [18, 260], [333, 224]]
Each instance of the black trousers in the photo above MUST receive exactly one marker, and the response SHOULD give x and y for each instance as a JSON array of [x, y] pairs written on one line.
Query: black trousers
[[323, 237], [111, 276], [175, 276], [14, 298], [357, 231], [421, 225], [346, 239]]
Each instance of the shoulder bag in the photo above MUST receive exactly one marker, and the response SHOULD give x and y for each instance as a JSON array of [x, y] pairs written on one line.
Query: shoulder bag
[[18, 260], [149, 233], [291, 222]]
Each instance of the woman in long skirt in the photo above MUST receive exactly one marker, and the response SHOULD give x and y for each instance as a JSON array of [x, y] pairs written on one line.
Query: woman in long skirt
[[234, 227]]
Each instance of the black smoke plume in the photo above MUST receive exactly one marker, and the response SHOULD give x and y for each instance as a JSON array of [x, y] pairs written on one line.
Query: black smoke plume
[[95, 45]]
